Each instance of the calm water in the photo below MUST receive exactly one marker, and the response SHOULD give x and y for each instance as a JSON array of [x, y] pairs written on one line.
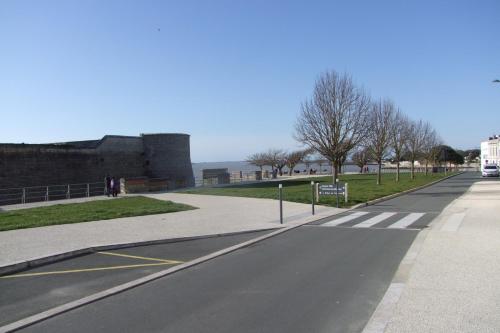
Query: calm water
[[246, 167]]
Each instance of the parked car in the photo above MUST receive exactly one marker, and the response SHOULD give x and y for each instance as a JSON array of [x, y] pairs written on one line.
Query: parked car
[[490, 171]]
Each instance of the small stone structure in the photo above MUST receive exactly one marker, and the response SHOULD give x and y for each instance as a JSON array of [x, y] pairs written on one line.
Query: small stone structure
[[216, 176], [162, 156]]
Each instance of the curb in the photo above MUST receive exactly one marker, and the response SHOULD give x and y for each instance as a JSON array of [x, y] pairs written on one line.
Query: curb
[[395, 195], [17, 325], [32, 263]]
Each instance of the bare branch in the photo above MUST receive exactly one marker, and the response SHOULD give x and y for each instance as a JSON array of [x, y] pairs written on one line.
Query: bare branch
[[399, 133], [379, 134], [294, 158], [335, 119]]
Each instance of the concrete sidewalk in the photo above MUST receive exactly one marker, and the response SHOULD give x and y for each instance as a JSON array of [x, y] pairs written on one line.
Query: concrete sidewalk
[[454, 283], [216, 215]]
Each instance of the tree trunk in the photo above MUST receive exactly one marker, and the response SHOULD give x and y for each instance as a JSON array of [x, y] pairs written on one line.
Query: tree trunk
[[426, 165], [338, 166], [335, 172], [397, 171], [412, 169], [379, 173]]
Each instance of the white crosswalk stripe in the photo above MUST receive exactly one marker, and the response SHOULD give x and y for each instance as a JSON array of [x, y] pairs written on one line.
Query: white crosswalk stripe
[[344, 219], [402, 223], [374, 220], [406, 221]]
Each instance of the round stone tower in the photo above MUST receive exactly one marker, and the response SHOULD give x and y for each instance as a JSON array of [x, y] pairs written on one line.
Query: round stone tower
[[168, 156]]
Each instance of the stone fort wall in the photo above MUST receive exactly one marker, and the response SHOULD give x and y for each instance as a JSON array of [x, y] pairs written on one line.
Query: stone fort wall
[[152, 155]]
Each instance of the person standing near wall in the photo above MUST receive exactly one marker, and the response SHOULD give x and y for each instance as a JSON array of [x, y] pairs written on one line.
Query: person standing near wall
[[107, 182], [116, 187]]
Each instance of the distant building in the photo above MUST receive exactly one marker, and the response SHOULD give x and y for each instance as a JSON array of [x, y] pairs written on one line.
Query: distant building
[[490, 151]]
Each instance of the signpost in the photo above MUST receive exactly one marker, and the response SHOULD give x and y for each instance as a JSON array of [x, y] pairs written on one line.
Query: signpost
[[333, 189], [330, 189], [312, 196], [280, 196]]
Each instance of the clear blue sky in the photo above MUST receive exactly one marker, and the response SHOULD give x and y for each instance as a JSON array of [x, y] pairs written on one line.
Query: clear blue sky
[[233, 73]]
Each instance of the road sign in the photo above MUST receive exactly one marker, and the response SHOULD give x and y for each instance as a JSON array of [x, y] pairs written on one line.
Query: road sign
[[331, 189]]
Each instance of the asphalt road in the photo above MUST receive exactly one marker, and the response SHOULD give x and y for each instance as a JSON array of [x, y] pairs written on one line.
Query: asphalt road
[[432, 199], [39, 289], [313, 279]]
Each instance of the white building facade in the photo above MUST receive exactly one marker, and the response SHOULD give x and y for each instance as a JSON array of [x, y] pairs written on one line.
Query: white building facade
[[489, 151]]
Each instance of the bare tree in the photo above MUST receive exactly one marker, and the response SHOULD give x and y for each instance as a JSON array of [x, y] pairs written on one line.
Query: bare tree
[[257, 159], [399, 136], [276, 158], [417, 133], [431, 147], [361, 157], [293, 158], [334, 120], [379, 136], [281, 163]]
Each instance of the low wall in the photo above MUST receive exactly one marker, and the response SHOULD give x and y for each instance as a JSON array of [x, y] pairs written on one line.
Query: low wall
[[143, 184]]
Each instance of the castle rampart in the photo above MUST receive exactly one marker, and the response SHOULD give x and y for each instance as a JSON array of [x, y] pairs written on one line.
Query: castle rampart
[[152, 155]]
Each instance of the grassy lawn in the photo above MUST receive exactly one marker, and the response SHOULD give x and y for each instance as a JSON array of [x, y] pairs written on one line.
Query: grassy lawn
[[362, 188], [87, 211]]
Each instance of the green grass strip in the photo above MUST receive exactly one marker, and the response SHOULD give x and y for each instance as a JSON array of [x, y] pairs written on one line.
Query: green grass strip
[[362, 188], [87, 211]]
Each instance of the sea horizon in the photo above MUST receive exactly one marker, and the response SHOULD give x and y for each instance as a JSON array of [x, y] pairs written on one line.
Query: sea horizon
[[245, 167]]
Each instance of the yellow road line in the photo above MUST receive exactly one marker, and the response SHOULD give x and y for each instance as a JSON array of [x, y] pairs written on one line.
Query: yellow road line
[[83, 270], [138, 257]]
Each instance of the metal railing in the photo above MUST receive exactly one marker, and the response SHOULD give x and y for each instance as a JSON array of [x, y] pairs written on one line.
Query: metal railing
[[240, 177], [22, 195], [235, 177]]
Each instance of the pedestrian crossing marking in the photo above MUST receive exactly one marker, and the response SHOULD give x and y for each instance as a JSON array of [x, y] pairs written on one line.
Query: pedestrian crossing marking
[[374, 220], [344, 219], [406, 221], [371, 222]]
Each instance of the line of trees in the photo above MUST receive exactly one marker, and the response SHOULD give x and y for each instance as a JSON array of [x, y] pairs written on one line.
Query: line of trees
[[341, 120], [277, 159]]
